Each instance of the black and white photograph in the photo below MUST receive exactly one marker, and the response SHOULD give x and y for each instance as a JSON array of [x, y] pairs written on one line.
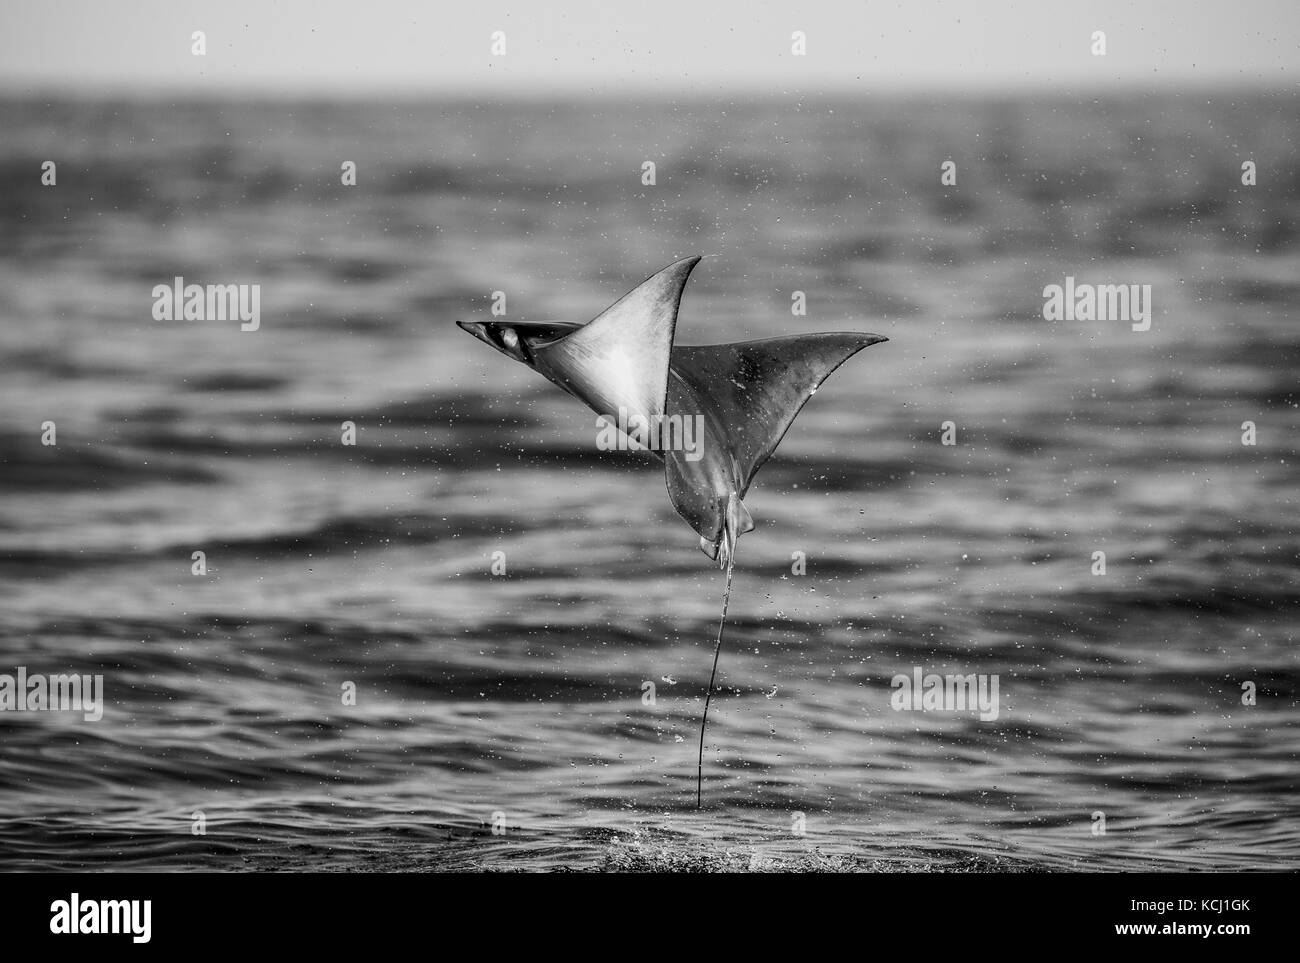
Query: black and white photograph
[[620, 438]]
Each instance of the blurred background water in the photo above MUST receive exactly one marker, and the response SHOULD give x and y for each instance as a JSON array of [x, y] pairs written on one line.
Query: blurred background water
[[521, 694]]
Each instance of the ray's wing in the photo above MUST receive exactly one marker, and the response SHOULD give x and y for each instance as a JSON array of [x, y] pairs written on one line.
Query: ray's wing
[[620, 359], [536, 332], [754, 389]]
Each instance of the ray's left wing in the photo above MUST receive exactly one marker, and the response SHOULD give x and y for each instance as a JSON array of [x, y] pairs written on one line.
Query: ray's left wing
[[620, 359]]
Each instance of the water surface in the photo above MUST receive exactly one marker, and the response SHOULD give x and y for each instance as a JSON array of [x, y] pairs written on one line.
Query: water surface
[[520, 696]]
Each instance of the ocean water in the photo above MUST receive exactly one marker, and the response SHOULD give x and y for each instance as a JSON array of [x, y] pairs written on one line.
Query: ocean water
[[516, 702]]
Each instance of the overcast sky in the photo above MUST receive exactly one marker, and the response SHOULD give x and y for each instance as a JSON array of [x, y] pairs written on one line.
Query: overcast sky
[[666, 45]]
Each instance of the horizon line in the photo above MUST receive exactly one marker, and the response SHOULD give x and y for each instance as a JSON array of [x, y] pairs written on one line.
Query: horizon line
[[14, 89]]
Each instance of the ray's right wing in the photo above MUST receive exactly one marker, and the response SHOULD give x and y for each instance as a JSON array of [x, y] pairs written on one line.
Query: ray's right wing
[[756, 388]]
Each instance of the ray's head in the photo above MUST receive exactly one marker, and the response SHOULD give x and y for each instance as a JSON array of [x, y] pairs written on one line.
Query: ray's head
[[500, 335]]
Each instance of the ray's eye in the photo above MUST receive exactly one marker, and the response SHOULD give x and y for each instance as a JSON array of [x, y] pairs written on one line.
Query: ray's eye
[[510, 339]]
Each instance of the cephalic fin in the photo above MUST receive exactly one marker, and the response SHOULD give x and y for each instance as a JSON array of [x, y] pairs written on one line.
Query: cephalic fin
[[620, 359]]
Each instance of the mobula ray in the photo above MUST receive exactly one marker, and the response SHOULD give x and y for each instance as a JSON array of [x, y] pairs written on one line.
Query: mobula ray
[[625, 366]]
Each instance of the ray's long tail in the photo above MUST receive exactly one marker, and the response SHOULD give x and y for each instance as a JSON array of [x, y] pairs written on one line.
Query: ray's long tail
[[708, 694]]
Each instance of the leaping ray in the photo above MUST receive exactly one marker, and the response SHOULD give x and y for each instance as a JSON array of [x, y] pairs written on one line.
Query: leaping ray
[[747, 395]]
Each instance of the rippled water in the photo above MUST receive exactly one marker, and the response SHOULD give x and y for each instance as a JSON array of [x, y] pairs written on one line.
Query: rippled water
[[521, 694]]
